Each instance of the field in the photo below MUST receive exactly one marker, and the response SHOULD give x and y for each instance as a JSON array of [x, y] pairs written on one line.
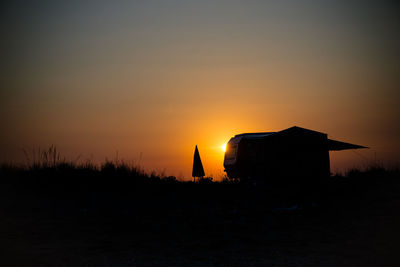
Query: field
[[62, 214]]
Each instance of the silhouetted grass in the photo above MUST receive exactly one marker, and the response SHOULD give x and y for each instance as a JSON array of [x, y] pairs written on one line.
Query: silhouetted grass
[[46, 172]]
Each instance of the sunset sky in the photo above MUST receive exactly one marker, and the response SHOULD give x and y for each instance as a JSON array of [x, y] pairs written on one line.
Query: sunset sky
[[152, 79]]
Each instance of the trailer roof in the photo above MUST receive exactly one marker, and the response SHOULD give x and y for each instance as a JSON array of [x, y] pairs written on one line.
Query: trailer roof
[[255, 135], [333, 145]]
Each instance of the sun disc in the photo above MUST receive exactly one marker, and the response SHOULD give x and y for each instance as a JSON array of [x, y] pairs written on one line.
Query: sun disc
[[223, 147]]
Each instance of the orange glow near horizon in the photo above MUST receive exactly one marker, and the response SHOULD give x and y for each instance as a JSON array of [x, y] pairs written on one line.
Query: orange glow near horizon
[[151, 81]]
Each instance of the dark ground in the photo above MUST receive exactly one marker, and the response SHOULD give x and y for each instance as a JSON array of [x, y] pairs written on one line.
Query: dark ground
[[354, 222]]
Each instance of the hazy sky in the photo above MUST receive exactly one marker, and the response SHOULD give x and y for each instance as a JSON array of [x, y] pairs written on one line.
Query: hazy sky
[[151, 79]]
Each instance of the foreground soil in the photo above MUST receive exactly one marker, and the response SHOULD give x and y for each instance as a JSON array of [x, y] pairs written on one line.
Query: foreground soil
[[201, 225]]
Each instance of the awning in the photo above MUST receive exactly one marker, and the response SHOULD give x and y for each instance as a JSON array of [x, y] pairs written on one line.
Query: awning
[[337, 145]]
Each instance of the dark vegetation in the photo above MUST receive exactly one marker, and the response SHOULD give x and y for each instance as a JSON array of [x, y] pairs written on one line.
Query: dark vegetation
[[59, 213]]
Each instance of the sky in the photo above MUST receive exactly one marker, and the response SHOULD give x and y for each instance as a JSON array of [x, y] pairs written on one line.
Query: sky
[[146, 81]]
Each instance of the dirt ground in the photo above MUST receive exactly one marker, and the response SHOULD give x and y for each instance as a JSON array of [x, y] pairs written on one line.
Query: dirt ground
[[175, 230]]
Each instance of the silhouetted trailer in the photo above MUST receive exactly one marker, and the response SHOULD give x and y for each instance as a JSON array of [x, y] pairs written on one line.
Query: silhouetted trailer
[[294, 154]]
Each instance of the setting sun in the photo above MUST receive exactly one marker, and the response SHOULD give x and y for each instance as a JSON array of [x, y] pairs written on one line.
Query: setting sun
[[223, 147]]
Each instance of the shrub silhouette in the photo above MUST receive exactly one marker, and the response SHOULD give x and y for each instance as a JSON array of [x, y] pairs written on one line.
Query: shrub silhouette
[[49, 173]]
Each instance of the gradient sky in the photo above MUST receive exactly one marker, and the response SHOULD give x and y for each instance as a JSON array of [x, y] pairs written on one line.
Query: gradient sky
[[151, 79]]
